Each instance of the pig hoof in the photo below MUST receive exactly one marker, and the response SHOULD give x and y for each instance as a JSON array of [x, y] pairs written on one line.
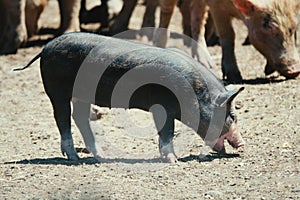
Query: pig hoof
[[234, 77], [170, 158], [167, 152], [67, 147], [71, 155]]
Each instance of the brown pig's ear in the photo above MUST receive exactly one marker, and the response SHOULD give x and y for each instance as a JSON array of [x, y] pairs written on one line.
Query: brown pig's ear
[[246, 7], [224, 99]]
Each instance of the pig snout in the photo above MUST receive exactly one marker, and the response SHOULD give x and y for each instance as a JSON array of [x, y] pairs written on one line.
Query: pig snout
[[291, 71], [233, 137], [287, 64]]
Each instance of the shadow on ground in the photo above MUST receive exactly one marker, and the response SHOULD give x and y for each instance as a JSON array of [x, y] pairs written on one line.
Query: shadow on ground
[[258, 81], [207, 158], [92, 160]]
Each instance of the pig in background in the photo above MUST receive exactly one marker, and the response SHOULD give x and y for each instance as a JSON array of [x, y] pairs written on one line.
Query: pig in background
[[271, 27], [19, 21]]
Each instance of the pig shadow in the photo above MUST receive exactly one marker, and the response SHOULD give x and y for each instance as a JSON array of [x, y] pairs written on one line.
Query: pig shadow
[[54, 161], [257, 81], [36, 43], [81, 161], [261, 81], [52, 32], [208, 158], [93, 161], [48, 31]]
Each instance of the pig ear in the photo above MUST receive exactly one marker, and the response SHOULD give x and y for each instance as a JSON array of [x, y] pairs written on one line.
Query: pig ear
[[246, 7], [224, 99]]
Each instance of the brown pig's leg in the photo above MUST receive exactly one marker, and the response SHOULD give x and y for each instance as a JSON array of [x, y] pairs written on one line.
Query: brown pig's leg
[[167, 8]]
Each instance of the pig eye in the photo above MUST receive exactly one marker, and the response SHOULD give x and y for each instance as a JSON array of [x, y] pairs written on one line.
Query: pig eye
[[230, 119], [266, 21], [233, 117]]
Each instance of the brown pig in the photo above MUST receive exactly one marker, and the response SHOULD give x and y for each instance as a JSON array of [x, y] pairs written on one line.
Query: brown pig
[[271, 27]]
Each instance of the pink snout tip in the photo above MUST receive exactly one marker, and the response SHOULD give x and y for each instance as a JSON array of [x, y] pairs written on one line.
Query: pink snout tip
[[240, 147], [236, 144], [234, 139], [292, 72]]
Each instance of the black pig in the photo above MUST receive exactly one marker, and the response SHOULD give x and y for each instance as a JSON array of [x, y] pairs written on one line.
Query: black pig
[[91, 69]]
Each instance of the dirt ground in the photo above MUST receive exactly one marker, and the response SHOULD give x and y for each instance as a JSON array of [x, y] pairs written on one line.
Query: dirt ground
[[32, 166]]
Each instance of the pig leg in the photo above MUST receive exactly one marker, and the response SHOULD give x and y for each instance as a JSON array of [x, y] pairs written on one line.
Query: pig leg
[[199, 13], [62, 113], [69, 12], [81, 114], [121, 22], [211, 36], [149, 18], [166, 134], [166, 11], [227, 36], [184, 7]]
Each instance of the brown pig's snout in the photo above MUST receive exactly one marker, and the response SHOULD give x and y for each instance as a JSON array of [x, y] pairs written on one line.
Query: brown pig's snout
[[290, 72]]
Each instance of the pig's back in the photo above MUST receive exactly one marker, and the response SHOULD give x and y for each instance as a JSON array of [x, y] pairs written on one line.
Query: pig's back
[[107, 60]]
